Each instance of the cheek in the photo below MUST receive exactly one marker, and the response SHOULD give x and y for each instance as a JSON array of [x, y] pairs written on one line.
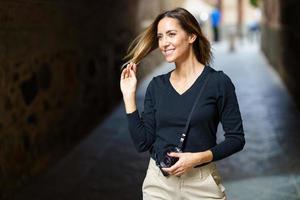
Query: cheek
[[160, 46], [181, 42], [182, 46]]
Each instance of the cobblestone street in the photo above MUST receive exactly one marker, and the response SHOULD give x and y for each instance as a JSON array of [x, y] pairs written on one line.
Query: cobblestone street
[[106, 166]]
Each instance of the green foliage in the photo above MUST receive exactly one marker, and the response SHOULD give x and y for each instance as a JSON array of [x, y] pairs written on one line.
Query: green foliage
[[254, 3]]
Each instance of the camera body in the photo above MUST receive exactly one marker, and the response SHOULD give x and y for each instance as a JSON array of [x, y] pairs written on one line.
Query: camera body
[[168, 161]]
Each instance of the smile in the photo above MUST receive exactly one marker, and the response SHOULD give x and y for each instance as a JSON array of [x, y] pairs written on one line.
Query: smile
[[168, 52]]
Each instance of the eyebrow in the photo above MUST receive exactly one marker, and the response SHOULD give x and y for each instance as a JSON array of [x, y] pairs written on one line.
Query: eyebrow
[[166, 32]]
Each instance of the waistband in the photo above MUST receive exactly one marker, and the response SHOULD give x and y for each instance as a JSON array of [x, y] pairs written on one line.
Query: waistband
[[152, 155], [202, 171]]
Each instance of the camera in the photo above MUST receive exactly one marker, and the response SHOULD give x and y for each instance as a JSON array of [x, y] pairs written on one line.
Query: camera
[[168, 161]]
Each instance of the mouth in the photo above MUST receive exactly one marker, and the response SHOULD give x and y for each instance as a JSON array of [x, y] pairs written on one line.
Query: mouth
[[168, 52]]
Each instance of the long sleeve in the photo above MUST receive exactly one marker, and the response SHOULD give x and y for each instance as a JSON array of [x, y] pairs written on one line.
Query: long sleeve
[[231, 120], [142, 129]]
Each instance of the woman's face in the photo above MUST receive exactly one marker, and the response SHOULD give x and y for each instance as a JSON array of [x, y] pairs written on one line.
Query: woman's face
[[173, 41]]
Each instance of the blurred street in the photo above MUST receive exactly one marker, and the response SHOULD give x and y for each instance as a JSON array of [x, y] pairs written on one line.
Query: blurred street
[[269, 165], [106, 166]]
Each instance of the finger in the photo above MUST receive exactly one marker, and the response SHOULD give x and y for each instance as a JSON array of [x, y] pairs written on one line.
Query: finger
[[128, 69], [178, 173], [172, 169], [178, 170], [123, 74], [173, 154], [175, 167], [134, 68], [127, 72], [132, 73], [168, 170], [130, 65], [124, 71]]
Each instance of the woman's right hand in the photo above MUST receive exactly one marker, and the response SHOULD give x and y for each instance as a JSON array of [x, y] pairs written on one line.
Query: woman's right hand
[[128, 81]]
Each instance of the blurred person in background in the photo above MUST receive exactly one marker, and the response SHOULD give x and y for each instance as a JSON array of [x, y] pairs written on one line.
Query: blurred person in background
[[215, 18], [254, 26]]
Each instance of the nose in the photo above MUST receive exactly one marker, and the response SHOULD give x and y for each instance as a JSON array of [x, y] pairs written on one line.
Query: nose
[[164, 41]]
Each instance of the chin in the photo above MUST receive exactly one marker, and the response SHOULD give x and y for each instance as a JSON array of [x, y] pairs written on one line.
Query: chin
[[170, 60]]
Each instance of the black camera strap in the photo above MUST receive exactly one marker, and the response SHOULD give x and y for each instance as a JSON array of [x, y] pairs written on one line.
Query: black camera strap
[[184, 134]]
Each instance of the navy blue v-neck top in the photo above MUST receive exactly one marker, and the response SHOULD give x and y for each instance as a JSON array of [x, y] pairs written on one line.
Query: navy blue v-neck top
[[166, 111]]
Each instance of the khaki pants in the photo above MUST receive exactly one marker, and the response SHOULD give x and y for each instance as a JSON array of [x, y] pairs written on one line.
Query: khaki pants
[[200, 183]]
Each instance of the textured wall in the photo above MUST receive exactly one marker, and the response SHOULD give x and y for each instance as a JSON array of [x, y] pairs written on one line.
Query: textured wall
[[59, 76], [281, 40], [291, 44], [271, 32]]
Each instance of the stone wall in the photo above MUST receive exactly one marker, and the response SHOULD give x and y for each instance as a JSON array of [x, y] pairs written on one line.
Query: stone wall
[[290, 16], [271, 39], [59, 76], [281, 40]]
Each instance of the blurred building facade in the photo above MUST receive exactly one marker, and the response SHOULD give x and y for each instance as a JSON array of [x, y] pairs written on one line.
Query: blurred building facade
[[280, 40], [236, 16], [58, 64]]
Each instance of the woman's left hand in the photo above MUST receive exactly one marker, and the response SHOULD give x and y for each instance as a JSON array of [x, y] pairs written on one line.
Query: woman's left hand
[[187, 161]]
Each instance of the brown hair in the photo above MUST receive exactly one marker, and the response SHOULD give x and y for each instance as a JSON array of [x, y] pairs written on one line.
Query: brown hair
[[147, 41]]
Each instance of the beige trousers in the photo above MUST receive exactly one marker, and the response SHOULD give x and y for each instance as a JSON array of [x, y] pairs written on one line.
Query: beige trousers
[[200, 183]]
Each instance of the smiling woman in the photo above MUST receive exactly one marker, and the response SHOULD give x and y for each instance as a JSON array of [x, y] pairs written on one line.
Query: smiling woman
[[147, 41], [173, 41], [181, 166]]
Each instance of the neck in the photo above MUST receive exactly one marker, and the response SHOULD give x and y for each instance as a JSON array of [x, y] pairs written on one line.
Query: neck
[[189, 67]]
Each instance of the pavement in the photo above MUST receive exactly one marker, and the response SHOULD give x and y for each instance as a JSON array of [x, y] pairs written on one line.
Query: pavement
[[106, 166]]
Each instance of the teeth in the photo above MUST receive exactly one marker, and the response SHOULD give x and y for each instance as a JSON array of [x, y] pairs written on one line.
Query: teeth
[[167, 52]]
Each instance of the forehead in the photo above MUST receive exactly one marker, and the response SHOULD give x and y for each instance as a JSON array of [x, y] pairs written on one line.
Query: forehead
[[167, 24]]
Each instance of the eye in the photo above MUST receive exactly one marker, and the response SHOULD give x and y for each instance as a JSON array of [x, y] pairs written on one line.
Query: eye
[[172, 34], [158, 37]]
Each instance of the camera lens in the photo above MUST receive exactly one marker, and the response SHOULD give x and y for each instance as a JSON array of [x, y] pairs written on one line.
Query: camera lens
[[167, 161]]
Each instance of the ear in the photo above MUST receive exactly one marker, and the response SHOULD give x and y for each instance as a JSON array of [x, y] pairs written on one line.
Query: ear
[[192, 38]]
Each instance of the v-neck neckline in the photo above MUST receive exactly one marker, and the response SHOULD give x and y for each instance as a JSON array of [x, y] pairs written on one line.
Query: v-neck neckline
[[190, 88]]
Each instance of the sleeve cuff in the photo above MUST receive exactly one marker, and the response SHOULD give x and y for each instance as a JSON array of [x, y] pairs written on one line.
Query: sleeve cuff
[[215, 154], [134, 116]]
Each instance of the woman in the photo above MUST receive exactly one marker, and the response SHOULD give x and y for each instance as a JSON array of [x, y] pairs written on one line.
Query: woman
[[168, 102]]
